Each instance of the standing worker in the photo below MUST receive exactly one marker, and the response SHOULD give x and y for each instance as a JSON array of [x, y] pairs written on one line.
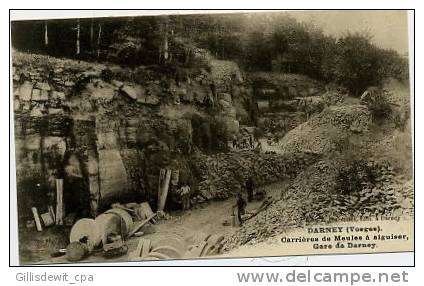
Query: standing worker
[[252, 145], [234, 141], [241, 207], [185, 196], [258, 147], [249, 189]]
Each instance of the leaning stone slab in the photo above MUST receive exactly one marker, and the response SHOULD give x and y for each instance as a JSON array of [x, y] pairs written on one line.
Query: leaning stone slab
[[25, 91], [43, 86], [129, 91], [36, 95]]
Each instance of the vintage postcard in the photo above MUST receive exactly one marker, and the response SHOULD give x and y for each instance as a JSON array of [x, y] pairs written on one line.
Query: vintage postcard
[[239, 134]]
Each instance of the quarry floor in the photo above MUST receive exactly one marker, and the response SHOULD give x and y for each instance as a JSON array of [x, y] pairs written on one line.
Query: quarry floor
[[192, 225]]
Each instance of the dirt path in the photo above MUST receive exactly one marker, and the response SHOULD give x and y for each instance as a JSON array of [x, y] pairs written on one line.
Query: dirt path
[[208, 218], [191, 225]]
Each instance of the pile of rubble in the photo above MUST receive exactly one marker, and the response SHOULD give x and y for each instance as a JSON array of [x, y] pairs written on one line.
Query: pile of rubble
[[404, 194], [324, 131], [313, 198], [224, 174]]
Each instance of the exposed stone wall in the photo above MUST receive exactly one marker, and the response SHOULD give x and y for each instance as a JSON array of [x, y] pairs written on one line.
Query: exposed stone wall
[[107, 133], [286, 100], [103, 131]]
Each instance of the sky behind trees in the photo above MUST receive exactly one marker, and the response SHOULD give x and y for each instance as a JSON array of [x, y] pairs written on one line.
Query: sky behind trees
[[389, 28]]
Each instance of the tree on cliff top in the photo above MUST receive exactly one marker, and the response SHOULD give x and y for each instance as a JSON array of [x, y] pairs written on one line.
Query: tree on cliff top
[[357, 64]]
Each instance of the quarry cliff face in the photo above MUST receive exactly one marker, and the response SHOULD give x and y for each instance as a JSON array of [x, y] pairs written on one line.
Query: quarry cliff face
[[107, 130], [86, 129]]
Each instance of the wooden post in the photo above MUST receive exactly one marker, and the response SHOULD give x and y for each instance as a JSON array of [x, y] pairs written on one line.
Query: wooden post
[[51, 211], [164, 179], [165, 45], [161, 179], [46, 35], [37, 219], [98, 39], [78, 37], [92, 34], [59, 202], [94, 194]]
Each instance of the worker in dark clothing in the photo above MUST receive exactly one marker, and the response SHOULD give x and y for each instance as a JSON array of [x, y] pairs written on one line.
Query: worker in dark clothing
[[234, 141], [213, 90], [249, 189], [241, 207], [258, 147], [251, 142]]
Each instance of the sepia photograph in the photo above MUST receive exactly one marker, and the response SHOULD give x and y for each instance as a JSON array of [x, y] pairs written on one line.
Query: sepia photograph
[[212, 135]]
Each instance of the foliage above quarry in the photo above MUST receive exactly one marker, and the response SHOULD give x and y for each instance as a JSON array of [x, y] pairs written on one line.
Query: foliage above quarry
[[256, 41]]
